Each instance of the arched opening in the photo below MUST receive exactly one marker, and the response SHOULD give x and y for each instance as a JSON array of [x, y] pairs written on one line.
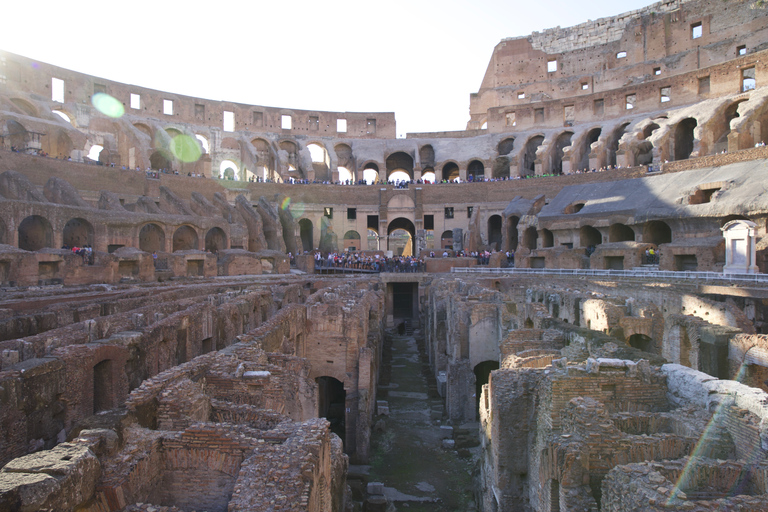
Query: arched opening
[[344, 175], [94, 152], [185, 239], [641, 342], [494, 232], [562, 142], [427, 156], [400, 235], [648, 130], [529, 156], [547, 238], [506, 146], [613, 146], [482, 376], [589, 237], [331, 404], [592, 136], [17, 134], [450, 172], [475, 171], [657, 232], [684, 139], [620, 233], [25, 106], [228, 170], [531, 238], [35, 233], [344, 156], [731, 113], [77, 233], [373, 240], [305, 232], [446, 240], [151, 238], [60, 145], [321, 162], [63, 115], [399, 176], [103, 394], [159, 161], [400, 162], [352, 241], [204, 145], [512, 232], [143, 128], [370, 173], [428, 175], [215, 240]]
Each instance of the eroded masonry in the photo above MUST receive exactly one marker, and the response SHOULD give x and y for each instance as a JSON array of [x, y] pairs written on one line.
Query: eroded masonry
[[190, 354]]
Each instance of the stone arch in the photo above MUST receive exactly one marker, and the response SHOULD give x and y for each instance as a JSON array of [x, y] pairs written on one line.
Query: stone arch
[[371, 172], [446, 239], [620, 233], [151, 238], [26, 107], [321, 161], [685, 138], [427, 156], [158, 160], [613, 143], [450, 171], [306, 234], [60, 144], [494, 232], [563, 141], [590, 138], [401, 223], [511, 232], [531, 238], [657, 232], [547, 238], [344, 156], [589, 237], [185, 239], [17, 134], [331, 404], [649, 129], [145, 129], [352, 241], [506, 146], [78, 232], [640, 342], [215, 240], [720, 137], [399, 161], [475, 170], [529, 155], [35, 233]]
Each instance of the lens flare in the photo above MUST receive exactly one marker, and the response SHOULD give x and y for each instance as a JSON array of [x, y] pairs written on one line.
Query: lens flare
[[297, 210], [286, 203], [185, 148], [108, 105]]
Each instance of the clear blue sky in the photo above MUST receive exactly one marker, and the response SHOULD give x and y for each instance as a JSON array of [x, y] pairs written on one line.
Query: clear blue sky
[[419, 58]]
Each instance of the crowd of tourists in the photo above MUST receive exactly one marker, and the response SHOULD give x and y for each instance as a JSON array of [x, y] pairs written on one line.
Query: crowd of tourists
[[85, 252]]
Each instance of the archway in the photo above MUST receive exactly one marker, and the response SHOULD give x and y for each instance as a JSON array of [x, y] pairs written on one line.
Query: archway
[[450, 171], [370, 173], [428, 175], [589, 237], [482, 376], [427, 156], [228, 170], [77, 233], [321, 162], [494, 232], [159, 161], [215, 240], [403, 239], [506, 146], [529, 156], [151, 238], [185, 239], [475, 171], [592, 136], [400, 161], [657, 232], [305, 232], [35, 233], [620, 233], [613, 147], [512, 232], [446, 240], [547, 238], [352, 241], [562, 142], [331, 404], [684, 138], [17, 134]]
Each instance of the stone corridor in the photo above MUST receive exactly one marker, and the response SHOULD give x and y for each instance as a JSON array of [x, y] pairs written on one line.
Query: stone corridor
[[424, 464]]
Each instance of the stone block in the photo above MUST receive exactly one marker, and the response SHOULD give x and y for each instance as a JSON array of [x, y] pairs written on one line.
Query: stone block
[[375, 488], [382, 407], [446, 432], [448, 444]]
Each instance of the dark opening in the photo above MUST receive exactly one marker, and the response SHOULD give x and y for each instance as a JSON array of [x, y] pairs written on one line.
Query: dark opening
[[621, 233], [215, 240], [547, 238], [77, 233], [35, 233], [657, 232], [614, 262], [151, 238], [482, 375], [305, 230], [529, 157], [403, 299], [684, 138], [494, 232], [102, 386], [181, 346], [184, 239], [512, 233], [686, 262], [641, 342], [331, 401], [531, 237]]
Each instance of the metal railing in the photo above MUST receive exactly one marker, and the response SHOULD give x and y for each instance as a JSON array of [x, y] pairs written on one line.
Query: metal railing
[[646, 274]]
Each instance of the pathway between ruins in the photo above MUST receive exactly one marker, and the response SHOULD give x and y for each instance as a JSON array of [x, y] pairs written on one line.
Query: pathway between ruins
[[409, 458]]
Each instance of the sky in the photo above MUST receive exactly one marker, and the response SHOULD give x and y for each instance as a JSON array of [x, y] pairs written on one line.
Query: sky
[[420, 59]]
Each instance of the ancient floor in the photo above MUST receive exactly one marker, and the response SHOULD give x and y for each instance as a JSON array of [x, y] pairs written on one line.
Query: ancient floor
[[408, 456]]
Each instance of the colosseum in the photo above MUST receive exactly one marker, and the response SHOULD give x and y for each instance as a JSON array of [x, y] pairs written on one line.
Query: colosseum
[[217, 306]]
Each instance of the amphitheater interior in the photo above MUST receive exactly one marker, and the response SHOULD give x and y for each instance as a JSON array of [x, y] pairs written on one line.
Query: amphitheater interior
[[199, 298]]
